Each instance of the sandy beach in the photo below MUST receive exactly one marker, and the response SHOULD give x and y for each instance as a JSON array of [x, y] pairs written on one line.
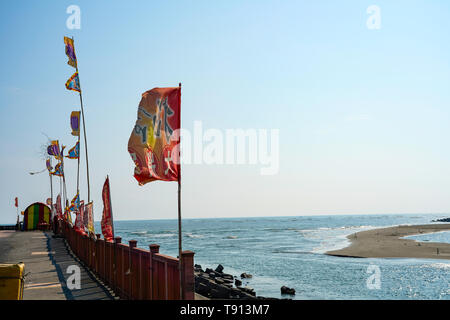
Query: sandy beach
[[388, 243]]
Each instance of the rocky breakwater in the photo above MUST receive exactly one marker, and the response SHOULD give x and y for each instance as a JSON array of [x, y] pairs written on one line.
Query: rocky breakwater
[[441, 220], [215, 284]]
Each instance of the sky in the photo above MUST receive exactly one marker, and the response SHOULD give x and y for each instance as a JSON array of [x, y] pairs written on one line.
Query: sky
[[363, 114]]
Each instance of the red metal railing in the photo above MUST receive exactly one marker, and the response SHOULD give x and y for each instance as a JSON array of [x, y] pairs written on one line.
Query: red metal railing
[[134, 273]]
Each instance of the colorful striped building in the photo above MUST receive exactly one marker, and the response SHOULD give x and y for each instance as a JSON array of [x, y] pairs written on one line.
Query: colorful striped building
[[35, 214]]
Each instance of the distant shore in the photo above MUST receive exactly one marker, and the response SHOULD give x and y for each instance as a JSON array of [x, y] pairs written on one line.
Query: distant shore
[[388, 243]]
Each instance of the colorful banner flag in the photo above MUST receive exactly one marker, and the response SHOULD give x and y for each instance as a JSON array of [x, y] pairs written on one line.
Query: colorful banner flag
[[89, 211], [53, 149], [84, 214], [73, 83], [75, 203], [74, 153], [58, 170], [16, 202], [49, 166], [58, 207], [154, 141], [79, 225], [107, 223], [67, 215], [70, 52], [75, 123], [81, 210]]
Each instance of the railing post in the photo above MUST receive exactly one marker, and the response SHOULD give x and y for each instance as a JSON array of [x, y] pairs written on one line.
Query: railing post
[[140, 281], [104, 261], [154, 248], [117, 240], [132, 244], [95, 253], [187, 273], [166, 284]]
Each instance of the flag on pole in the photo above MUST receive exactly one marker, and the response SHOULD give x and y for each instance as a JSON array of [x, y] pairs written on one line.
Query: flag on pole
[[84, 214], [58, 207], [75, 203], [154, 141], [49, 166], [70, 52], [79, 226], [73, 83], [75, 123], [16, 202], [89, 211], [107, 223], [81, 210], [74, 153], [53, 149], [67, 215], [58, 170]]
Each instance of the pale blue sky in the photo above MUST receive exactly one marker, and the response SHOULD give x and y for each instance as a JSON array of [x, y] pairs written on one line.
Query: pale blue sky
[[363, 114]]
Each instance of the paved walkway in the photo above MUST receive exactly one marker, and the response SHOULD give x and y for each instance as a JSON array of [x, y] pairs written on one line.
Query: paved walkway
[[46, 261]]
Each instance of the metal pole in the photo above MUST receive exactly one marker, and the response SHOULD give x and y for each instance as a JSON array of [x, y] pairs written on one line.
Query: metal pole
[[51, 188], [110, 206], [179, 204], [85, 139], [85, 146], [179, 239], [78, 168], [64, 186], [51, 193]]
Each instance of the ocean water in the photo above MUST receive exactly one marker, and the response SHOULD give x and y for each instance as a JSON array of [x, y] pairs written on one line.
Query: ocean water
[[443, 236], [289, 251]]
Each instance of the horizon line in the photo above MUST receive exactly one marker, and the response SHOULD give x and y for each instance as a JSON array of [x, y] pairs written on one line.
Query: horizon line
[[285, 216], [288, 216]]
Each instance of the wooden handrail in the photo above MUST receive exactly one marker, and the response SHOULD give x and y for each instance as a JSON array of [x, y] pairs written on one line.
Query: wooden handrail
[[149, 274]]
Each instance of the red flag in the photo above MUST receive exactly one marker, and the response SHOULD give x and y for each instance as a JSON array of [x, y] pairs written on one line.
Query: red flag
[[58, 207], [79, 226], [154, 141], [107, 224], [85, 215], [16, 204], [89, 212]]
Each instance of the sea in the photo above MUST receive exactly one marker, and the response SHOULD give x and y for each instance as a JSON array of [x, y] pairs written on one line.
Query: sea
[[290, 251]]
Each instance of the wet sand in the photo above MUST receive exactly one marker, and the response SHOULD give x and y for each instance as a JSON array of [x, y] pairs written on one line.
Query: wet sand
[[387, 243]]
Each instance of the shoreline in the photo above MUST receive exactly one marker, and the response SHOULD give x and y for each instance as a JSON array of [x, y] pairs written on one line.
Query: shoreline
[[389, 243]]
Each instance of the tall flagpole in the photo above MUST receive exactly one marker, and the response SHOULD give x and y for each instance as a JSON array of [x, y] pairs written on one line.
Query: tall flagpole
[[51, 189], [110, 206], [61, 195], [17, 211], [179, 201], [78, 168], [84, 131], [85, 144], [64, 181]]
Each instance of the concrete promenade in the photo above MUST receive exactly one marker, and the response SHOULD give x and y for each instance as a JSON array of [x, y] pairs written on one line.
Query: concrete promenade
[[46, 261]]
